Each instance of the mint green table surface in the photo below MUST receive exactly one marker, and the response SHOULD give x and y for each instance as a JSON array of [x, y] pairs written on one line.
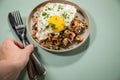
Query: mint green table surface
[[97, 59]]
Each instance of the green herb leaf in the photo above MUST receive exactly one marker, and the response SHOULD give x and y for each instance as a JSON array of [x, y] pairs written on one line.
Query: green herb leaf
[[52, 25], [49, 8], [60, 8], [44, 14], [47, 27], [86, 25], [64, 15]]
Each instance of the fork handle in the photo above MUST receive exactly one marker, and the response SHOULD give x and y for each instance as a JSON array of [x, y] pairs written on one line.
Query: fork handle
[[30, 67], [31, 70], [38, 66]]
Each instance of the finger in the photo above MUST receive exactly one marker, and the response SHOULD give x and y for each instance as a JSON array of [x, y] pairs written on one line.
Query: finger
[[13, 43], [18, 44], [28, 49]]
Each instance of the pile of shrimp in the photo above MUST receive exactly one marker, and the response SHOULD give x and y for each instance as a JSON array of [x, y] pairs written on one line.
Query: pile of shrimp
[[67, 37]]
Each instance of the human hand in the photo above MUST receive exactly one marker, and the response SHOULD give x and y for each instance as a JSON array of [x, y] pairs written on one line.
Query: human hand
[[13, 54]]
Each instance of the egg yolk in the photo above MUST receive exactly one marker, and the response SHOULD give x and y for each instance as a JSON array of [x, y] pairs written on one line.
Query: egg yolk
[[57, 23]]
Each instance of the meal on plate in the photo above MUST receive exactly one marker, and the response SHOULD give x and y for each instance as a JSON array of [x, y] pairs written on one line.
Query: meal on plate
[[56, 26]]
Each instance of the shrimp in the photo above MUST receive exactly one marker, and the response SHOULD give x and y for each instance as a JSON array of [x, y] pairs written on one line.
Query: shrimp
[[72, 26], [76, 21], [79, 38], [72, 35], [35, 27], [67, 32], [82, 25], [49, 36], [66, 41], [55, 37], [34, 34]]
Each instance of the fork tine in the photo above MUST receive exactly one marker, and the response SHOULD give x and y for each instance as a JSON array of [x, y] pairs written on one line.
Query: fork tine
[[14, 15], [17, 17], [20, 18]]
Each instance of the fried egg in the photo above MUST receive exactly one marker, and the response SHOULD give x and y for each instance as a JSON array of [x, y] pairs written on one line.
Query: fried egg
[[53, 18]]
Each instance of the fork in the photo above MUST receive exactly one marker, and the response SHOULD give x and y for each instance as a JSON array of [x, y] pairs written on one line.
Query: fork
[[21, 30]]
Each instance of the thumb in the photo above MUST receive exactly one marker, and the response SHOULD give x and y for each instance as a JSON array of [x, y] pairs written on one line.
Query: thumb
[[28, 49]]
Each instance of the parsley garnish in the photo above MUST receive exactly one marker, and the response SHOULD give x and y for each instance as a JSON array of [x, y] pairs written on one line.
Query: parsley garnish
[[47, 27], [60, 8], [44, 14], [64, 15], [49, 8], [52, 25]]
